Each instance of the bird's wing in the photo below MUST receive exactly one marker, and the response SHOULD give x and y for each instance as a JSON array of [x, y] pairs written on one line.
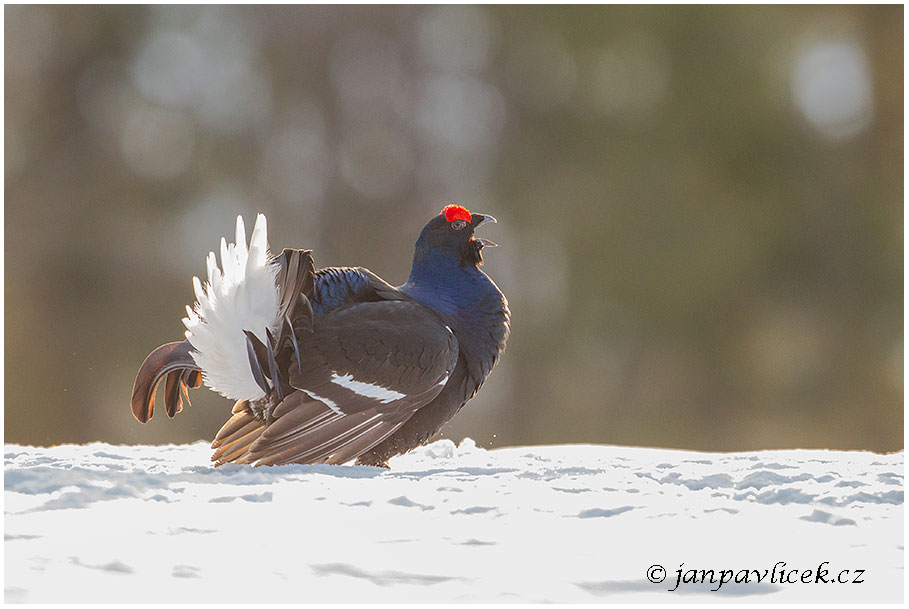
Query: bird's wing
[[363, 371], [389, 352], [304, 430]]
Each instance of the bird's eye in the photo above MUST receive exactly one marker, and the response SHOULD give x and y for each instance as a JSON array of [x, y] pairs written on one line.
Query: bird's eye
[[458, 224]]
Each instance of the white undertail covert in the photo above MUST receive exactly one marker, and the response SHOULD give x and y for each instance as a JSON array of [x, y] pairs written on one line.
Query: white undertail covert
[[242, 295]]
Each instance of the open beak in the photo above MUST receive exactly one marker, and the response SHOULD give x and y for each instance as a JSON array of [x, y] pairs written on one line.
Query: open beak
[[484, 219]]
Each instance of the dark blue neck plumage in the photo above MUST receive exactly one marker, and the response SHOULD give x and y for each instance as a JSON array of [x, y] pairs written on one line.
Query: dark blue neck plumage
[[467, 301], [439, 280]]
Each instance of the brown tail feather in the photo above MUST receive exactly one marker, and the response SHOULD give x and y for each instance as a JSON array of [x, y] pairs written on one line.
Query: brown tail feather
[[295, 276], [173, 359], [232, 442], [234, 424]]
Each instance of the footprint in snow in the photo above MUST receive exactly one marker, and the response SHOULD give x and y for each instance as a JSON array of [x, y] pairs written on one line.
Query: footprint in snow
[[185, 571]]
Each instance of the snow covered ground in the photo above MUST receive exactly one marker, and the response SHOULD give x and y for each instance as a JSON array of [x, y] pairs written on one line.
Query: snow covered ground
[[101, 523]]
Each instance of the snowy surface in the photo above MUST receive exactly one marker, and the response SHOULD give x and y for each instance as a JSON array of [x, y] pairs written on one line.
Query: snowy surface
[[101, 523]]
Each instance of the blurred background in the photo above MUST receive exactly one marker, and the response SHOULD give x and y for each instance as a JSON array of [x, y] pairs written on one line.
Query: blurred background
[[700, 208]]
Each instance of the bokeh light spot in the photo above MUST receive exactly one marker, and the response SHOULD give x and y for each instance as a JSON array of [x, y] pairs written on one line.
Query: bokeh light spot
[[831, 86]]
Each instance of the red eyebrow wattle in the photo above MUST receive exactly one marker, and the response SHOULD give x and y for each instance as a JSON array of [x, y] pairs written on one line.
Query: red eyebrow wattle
[[455, 212]]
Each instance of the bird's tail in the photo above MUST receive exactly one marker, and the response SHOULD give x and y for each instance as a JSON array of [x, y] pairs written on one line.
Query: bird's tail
[[241, 296], [246, 313], [174, 362]]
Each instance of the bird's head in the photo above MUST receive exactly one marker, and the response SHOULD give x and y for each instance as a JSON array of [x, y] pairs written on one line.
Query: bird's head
[[450, 234]]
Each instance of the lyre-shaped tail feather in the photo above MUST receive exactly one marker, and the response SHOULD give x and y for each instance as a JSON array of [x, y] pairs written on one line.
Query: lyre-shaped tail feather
[[174, 361], [247, 317]]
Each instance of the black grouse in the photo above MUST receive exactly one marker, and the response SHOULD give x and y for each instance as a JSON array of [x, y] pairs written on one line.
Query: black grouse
[[333, 365]]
